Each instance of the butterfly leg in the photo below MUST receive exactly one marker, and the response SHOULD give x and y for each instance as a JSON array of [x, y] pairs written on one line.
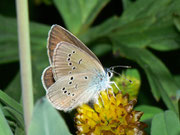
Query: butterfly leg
[[99, 93], [112, 91], [112, 82], [108, 91]]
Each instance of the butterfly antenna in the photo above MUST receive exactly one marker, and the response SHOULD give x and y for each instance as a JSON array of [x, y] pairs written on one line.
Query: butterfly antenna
[[113, 67], [122, 76]]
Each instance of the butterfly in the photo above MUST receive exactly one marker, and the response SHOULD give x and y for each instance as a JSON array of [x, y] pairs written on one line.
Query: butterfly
[[75, 75]]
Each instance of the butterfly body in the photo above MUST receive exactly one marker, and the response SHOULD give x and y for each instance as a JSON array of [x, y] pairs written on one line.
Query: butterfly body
[[75, 75]]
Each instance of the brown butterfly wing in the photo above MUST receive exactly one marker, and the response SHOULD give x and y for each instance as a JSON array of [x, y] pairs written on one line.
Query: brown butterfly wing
[[58, 34], [47, 77], [69, 59], [72, 90]]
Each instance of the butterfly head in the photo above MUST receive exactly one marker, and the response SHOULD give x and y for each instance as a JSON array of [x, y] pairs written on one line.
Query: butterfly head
[[109, 73]]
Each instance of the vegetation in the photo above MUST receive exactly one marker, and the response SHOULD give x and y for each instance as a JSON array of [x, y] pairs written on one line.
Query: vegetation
[[144, 34]]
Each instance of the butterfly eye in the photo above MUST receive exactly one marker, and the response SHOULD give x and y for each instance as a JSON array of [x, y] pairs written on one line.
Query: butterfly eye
[[109, 74]]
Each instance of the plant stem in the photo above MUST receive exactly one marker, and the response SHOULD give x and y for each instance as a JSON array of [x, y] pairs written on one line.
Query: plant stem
[[25, 59]]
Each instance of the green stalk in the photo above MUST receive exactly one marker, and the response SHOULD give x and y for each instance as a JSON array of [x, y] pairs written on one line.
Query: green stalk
[[25, 60]]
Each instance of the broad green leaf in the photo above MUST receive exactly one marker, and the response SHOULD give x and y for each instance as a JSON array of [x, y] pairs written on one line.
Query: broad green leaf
[[46, 120], [8, 38], [17, 116], [179, 107], [136, 10], [7, 114], [160, 79], [4, 128], [101, 30], [149, 111], [11, 123], [160, 35], [10, 102], [162, 9], [126, 3], [177, 21], [166, 123], [165, 44], [139, 34], [14, 88], [19, 131], [177, 79], [39, 34], [79, 14], [101, 49], [142, 24]]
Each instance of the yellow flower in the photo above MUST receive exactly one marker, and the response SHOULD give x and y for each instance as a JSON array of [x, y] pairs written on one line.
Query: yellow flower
[[112, 115]]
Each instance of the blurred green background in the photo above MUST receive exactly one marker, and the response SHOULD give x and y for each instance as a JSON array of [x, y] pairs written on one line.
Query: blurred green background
[[144, 34]]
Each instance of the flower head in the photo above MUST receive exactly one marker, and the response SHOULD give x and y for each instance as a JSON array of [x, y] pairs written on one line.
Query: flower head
[[112, 115]]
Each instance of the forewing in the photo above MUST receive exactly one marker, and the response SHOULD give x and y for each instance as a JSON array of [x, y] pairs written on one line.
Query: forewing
[[58, 34], [69, 59], [71, 91]]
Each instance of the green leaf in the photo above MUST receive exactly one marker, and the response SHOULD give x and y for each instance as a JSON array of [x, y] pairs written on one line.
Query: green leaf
[[177, 21], [142, 24], [79, 14], [161, 81], [8, 38], [16, 115], [177, 79], [46, 120], [19, 131], [14, 118], [14, 88], [162, 9], [39, 34], [126, 3], [139, 34], [133, 73], [165, 45], [149, 111], [10, 102], [159, 33], [101, 49], [179, 107], [4, 128], [166, 123], [101, 30]]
